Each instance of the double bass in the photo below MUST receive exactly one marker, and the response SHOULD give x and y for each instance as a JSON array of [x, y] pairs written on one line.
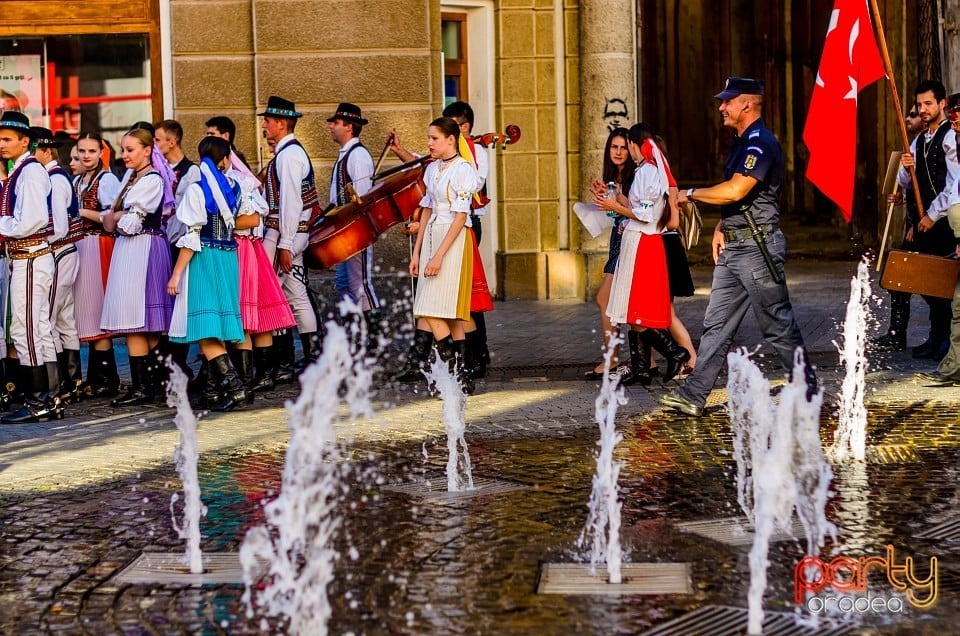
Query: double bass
[[349, 229]]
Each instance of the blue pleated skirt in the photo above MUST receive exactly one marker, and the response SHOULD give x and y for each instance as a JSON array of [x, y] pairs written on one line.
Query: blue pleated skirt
[[212, 297]]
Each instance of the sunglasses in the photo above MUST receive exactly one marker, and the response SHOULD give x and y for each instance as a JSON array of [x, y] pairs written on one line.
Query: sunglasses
[[913, 114]]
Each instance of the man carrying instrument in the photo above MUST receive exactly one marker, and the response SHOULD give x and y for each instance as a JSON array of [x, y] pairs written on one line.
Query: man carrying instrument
[[748, 248], [291, 194], [354, 168], [933, 154]]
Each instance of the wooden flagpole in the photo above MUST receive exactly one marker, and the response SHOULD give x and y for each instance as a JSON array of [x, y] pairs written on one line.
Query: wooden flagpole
[[882, 41]]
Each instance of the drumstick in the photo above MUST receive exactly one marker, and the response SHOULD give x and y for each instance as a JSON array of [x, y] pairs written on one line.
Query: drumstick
[[383, 153], [886, 228]]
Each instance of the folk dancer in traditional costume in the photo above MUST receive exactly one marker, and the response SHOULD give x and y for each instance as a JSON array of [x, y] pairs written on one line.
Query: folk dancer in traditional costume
[[478, 354], [443, 255], [136, 302], [353, 168], [291, 193], [25, 224], [207, 308], [640, 291], [67, 231], [96, 189]]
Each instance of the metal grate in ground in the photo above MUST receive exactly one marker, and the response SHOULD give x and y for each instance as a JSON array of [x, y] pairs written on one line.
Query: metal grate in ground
[[435, 489], [736, 531], [892, 454], [160, 568], [719, 620], [949, 529], [637, 578]]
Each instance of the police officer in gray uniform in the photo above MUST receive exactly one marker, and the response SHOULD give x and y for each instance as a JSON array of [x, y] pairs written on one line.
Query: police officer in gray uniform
[[748, 248]]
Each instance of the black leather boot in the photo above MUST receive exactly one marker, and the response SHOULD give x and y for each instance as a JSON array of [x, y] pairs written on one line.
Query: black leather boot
[[242, 360], [283, 358], [178, 352], [417, 357], [675, 355], [16, 381], [896, 336], [461, 370], [264, 369], [447, 352], [54, 382], [157, 373], [4, 393], [68, 362], [372, 318], [103, 380], [639, 361], [138, 393], [481, 349], [37, 403], [312, 349], [225, 390], [196, 384]]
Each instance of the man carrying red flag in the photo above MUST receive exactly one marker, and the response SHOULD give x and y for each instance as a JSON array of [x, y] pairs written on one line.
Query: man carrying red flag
[[850, 62], [933, 154]]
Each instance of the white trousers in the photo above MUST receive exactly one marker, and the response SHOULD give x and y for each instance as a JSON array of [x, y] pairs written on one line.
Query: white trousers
[[294, 284], [30, 328], [63, 317]]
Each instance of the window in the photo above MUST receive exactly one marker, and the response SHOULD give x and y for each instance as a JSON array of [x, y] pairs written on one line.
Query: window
[[453, 32], [78, 82]]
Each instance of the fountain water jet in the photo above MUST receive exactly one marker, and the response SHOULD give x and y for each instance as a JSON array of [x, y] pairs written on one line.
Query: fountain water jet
[[780, 464], [603, 521], [454, 422], [850, 436], [296, 541], [186, 456]]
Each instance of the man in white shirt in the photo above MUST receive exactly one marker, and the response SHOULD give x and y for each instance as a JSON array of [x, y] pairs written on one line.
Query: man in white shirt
[[291, 193], [25, 223], [352, 173], [64, 210]]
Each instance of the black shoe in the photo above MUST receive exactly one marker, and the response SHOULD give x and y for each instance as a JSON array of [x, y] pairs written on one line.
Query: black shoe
[[890, 342], [264, 370], [38, 404], [242, 360], [225, 390], [677, 402]]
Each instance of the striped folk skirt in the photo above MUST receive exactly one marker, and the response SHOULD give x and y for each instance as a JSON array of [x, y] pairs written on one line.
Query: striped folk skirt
[[263, 307], [640, 294], [136, 298], [208, 305], [446, 295], [94, 253]]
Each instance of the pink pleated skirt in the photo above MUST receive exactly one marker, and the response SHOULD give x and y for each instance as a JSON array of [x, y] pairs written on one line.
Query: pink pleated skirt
[[263, 307]]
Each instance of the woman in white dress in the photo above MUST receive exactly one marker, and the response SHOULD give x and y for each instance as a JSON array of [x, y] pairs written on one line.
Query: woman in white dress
[[136, 302], [442, 257]]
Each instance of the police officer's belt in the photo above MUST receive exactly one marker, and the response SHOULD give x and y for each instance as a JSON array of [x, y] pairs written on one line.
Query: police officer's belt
[[744, 233], [273, 222]]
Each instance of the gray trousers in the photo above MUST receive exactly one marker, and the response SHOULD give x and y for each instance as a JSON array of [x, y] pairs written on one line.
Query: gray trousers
[[741, 280], [950, 365]]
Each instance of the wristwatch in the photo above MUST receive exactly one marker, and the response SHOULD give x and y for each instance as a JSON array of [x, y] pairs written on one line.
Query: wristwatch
[[690, 193]]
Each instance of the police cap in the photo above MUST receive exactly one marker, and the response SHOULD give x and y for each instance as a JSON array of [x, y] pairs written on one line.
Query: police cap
[[740, 86]]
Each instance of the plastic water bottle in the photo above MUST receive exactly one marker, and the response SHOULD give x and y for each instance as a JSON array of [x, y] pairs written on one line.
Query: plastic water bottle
[[611, 194]]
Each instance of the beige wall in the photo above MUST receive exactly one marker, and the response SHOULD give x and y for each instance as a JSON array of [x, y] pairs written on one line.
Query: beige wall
[[230, 55]]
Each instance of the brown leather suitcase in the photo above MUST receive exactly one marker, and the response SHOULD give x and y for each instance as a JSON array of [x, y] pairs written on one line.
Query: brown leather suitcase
[[917, 273]]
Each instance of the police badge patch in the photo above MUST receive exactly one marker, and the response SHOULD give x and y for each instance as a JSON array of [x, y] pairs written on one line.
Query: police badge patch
[[750, 161]]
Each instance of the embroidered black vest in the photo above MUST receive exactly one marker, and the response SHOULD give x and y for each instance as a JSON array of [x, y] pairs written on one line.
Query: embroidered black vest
[[73, 209], [90, 199], [8, 198], [931, 167], [308, 187], [341, 175], [216, 233]]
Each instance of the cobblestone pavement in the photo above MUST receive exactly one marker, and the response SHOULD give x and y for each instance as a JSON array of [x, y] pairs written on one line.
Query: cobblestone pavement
[[82, 498]]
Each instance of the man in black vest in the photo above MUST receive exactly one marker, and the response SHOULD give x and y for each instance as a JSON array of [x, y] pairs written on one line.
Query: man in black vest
[[167, 137], [934, 157], [354, 167]]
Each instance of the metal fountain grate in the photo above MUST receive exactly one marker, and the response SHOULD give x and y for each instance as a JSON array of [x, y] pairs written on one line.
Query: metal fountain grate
[[949, 529], [170, 568], [638, 578], [892, 454], [435, 489], [719, 620], [736, 531]]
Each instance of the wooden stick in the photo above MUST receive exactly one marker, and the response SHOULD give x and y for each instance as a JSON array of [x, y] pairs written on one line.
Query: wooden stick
[[886, 228], [897, 108]]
